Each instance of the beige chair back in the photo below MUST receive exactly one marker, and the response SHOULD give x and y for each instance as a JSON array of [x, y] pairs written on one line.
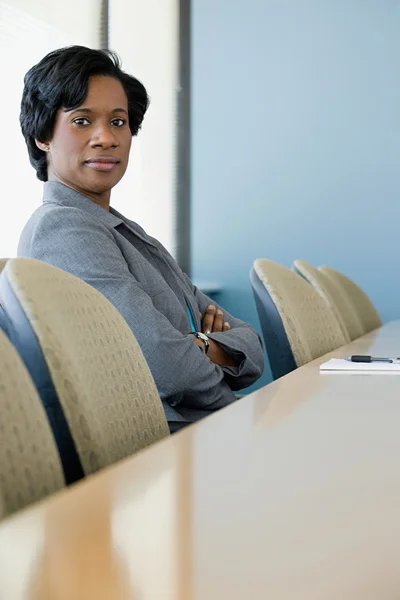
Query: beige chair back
[[101, 377], [30, 467], [310, 325], [339, 303], [362, 305]]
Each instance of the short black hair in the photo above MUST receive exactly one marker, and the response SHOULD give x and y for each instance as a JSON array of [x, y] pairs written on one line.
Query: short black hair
[[61, 79]]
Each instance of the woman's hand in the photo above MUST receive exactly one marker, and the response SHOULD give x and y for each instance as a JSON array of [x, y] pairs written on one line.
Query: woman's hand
[[213, 320]]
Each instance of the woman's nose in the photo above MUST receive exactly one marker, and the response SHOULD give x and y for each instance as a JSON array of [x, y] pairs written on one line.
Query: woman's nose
[[104, 136]]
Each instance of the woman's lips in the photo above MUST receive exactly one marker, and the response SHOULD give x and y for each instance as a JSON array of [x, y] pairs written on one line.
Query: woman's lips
[[102, 163]]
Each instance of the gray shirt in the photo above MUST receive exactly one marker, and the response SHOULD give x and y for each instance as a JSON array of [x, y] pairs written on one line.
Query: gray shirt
[[142, 280]]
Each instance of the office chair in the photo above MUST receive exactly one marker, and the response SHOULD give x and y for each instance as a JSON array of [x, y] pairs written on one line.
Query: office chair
[[297, 324], [339, 303], [86, 363], [365, 310]]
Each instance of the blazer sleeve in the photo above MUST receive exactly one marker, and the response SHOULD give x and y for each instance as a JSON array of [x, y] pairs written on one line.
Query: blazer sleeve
[[72, 240]]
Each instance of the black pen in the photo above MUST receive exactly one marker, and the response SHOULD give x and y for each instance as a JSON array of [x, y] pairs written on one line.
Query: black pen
[[371, 359]]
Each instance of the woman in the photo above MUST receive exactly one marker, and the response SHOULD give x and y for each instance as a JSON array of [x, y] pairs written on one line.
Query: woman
[[79, 113]]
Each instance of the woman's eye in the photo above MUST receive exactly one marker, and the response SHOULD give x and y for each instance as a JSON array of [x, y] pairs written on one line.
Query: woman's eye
[[81, 121], [118, 122]]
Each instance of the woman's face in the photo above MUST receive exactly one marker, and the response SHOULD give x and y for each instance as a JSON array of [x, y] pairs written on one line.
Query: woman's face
[[89, 150]]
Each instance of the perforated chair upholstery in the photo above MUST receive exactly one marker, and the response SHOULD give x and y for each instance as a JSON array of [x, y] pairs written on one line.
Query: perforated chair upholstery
[[310, 326], [362, 305], [99, 373], [30, 467], [339, 303]]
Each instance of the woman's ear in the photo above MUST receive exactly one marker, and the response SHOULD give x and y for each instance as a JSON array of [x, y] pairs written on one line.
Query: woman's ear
[[44, 146]]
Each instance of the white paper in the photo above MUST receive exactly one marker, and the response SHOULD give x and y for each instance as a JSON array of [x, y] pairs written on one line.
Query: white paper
[[339, 364]]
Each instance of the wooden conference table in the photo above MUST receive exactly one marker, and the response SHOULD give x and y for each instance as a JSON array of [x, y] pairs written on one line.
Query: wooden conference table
[[292, 493]]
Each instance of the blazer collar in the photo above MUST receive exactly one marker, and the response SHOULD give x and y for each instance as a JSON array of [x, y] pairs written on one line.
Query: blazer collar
[[58, 193]]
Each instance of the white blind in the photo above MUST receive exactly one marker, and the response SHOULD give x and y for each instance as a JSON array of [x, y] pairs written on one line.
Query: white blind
[[29, 29], [146, 36]]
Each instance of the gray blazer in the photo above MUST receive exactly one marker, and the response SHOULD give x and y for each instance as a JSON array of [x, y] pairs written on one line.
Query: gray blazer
[[137, 274]]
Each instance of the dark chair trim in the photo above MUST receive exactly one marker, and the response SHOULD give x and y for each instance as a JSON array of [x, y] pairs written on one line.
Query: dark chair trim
[[3, 320]]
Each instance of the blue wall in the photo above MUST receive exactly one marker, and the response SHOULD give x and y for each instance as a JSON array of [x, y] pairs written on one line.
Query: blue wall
[[296, 142]]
